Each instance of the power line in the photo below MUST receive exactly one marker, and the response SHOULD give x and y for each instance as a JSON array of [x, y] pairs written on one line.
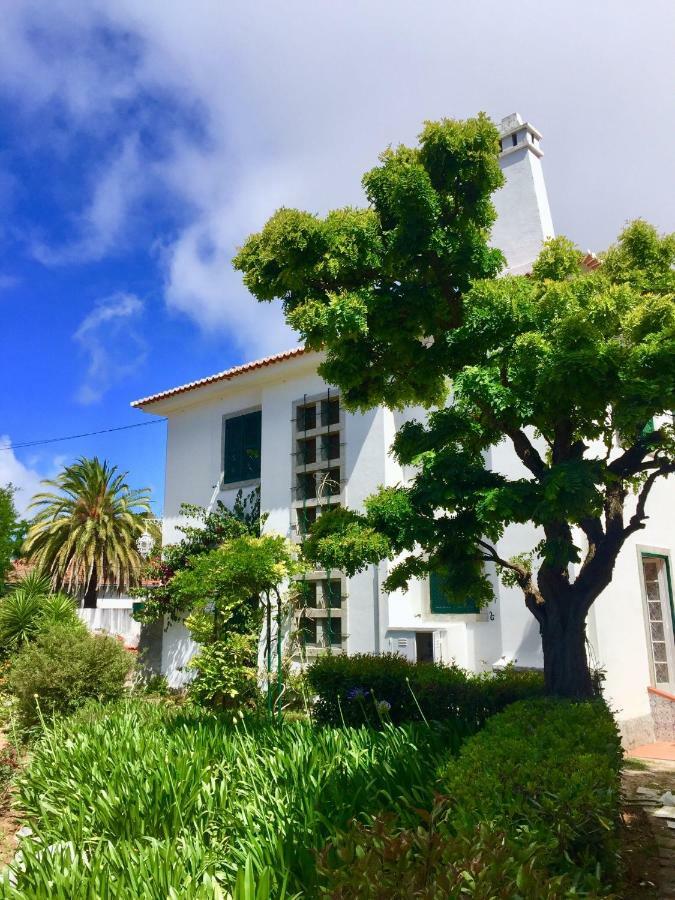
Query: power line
[[72, 437]]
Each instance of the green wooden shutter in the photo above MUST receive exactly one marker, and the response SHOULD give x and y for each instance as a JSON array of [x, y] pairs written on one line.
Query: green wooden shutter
[[445, 600], [251, 444], [242, 448]]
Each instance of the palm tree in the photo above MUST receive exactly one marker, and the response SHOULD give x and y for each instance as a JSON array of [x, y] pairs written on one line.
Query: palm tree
[[84, 534]]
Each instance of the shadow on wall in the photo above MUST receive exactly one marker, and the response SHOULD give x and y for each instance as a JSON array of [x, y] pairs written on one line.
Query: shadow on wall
[[178, 648], [529, 652]]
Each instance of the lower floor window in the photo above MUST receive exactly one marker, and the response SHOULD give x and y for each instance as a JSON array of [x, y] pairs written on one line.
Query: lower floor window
[[321, 631], [660, 616]]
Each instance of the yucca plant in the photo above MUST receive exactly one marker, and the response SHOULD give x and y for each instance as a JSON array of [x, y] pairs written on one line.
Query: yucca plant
[[26, 611], [19, 618], [35, 583], [84, 532]]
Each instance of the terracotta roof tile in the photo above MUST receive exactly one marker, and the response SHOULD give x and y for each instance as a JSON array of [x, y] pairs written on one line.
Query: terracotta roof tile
[[227, 375]]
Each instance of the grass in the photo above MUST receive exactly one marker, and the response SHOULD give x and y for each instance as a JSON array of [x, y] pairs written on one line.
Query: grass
[[145, 801]]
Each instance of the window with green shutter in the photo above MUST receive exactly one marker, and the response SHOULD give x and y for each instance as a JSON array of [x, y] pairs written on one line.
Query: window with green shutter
[[446, 600], [242, 448]]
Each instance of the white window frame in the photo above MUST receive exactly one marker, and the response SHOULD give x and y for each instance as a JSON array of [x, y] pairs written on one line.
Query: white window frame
[[665, 555]]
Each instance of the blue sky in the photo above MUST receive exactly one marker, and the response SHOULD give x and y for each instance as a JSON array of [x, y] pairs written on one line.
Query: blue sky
[[141, 142]]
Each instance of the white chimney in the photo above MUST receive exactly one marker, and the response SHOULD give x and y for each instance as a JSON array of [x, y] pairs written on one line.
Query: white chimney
[[523, 214]]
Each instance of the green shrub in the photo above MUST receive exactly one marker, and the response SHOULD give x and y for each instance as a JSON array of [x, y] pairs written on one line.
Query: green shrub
[[551, 766], [63, 668], [227, 673], [530, 810], [25, 612], [350, 688]]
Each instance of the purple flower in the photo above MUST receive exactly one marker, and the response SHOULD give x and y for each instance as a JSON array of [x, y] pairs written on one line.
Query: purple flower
[[357, 693]]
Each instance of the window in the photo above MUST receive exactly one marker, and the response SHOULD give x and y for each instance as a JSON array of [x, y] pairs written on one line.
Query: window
[[306, 486], [317, 457], [306, 417], [330, 446], [328, 483], [660, 617], [306, 453], [330, 412], [514, 139], [445, 600], [307, 629], [306, 518], [332, 630], [331, 594], [242, 448]]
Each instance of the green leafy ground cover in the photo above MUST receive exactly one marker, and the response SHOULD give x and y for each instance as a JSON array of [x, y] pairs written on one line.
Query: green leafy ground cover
[[140, 800], [150, 801]]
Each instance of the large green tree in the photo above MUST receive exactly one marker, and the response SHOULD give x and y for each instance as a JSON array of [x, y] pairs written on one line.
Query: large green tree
[[84, 531], [568, 366]]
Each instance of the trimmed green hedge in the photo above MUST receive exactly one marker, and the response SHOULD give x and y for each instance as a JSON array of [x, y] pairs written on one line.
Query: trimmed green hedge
[[366, 689], [549, 767], [530, 810]]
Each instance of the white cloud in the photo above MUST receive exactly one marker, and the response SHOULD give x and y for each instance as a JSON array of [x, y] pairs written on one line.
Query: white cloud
[[110, 340], [12, 471], [100, 226], [293, 101]]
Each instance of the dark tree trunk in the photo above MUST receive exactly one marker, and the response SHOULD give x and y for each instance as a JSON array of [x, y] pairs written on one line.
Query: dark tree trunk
[[563, 635], [91, 594]]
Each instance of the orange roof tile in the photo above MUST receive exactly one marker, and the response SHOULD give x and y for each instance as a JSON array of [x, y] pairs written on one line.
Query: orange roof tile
[[227, 375]]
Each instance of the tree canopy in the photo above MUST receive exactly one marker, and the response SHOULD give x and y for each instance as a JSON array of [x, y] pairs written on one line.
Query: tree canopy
[[570, 366], [379, 289]]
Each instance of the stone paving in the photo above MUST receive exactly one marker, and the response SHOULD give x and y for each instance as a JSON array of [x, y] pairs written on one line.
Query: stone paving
[[653, 789]]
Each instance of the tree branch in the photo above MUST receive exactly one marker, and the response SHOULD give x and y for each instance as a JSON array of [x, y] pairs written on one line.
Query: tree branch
[[527, 453], [637, 520], [533, 598]]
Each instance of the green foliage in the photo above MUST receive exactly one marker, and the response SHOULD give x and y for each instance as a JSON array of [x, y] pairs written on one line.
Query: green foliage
[[29, 608], [350, 690], [9, 528], [547, 328], [224, 590], [530, 809], [225, 585], [226, 673], [63, 668], [564, 787], [142, 800], [342, 540], [379, 288], [204, 532], [84, 532]]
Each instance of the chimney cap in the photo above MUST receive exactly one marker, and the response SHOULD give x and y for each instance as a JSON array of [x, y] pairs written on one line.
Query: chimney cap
[[523, 134], [514, 122]]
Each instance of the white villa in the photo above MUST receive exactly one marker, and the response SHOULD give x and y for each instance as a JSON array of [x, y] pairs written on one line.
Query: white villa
[[275, 424]]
